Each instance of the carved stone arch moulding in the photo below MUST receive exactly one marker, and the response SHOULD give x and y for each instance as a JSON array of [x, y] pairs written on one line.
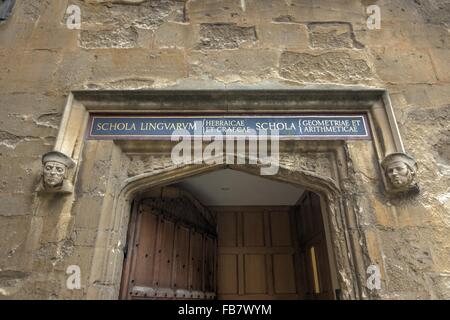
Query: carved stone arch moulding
[[322, 167], [328, 190]]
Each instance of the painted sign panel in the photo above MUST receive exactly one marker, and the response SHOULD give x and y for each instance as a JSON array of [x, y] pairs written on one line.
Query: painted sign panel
[[332, 127]]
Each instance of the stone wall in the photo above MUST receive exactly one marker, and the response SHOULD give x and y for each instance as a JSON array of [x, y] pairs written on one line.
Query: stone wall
[[220, 44]]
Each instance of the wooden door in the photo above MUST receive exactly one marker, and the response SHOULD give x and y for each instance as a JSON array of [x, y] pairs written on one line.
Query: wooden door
[[316, 276], [171, 249], [257, 257]]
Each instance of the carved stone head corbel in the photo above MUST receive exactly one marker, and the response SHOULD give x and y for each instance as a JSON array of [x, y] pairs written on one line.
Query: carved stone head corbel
[[56, 166], [400, 171]]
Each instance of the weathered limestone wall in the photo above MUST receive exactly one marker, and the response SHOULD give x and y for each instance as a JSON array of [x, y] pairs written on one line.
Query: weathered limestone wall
[[176, 43]]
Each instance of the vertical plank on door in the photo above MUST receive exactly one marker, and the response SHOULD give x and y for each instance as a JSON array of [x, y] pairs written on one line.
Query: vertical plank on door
[[166, 254], [181, 273], [197, 261], [143, 272]]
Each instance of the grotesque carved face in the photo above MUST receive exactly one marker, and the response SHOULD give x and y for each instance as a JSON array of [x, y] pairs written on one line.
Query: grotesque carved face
[[54, 173], [399, 174]]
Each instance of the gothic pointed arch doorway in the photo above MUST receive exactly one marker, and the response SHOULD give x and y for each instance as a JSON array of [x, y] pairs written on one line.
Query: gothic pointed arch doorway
[[228, 234]]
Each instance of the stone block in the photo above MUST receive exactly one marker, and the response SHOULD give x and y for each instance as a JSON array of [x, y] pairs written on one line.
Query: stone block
[[176, 35], [435, 12], [332, 35], [104, 150], [326, 11], [363, 159], [27, 106], [30, 11], [84, 237], [225, 36], [114, 38], [146, 15], [439, 283], [398, 11], [425, 36], [385, 216], [441, 63], [11, 283], [61, 38], [374, 248], [87, 210], [29, 71], [388, 36], [18, 175], [407, 35], [16, 35], [82, 257], [146, 39], [325, 67], [265, 11], [211, 11], [35, 147], [26, 126], [15, 204], [115, 64], [426, 95], [395, 65], [101, 164], [232, 65], [413, 216], [283, 35], [75, 70], [13, 235]]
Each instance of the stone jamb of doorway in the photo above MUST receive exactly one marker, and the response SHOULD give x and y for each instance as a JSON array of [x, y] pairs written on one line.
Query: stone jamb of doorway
[[349, 256]]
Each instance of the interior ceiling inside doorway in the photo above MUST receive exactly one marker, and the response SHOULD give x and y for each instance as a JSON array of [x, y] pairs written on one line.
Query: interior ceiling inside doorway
[[229, 187]]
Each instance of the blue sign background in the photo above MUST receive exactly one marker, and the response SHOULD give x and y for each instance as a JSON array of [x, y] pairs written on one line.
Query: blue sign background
[[294, 127]]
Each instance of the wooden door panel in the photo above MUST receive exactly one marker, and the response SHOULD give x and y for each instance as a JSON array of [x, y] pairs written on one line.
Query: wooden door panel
[[257, 261], [171, 250], [255, 274], [164, 253], [196, 261], [227, 274], [210, 264], [310, 228], [316, 215], [181, 272], [280, 229], [284, 274], [227, 233], [143, 272], [313, 248], [253, 229]]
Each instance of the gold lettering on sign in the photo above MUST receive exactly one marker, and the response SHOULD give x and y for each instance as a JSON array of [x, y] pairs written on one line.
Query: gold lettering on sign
[[121, 126]]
